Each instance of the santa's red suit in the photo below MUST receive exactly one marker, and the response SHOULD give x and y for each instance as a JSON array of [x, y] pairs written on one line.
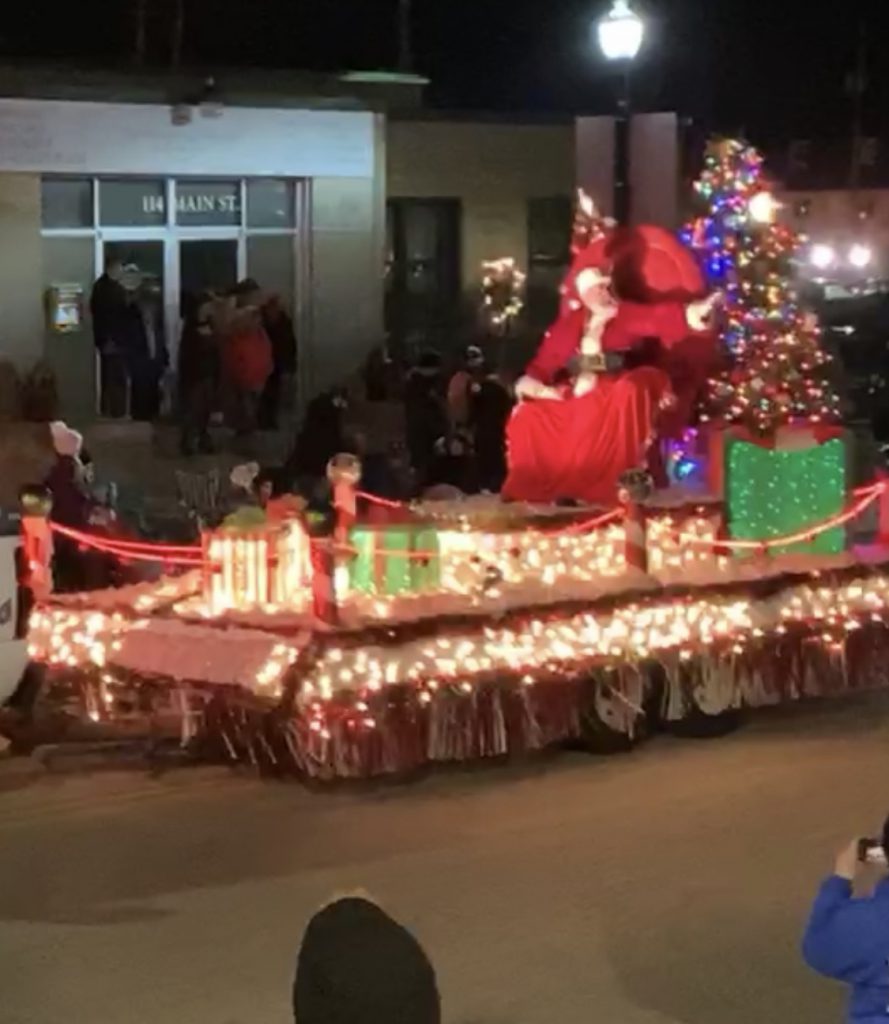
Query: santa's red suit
[[577, 443]]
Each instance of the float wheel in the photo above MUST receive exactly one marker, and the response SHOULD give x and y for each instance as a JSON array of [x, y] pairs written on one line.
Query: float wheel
[[609, 724], [698, 725]]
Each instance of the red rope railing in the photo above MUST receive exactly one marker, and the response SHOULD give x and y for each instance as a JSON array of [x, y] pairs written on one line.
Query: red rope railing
[[192, 555], [136, 551]]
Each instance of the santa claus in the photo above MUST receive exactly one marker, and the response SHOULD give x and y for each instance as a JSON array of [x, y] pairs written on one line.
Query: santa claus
[[625, 362]]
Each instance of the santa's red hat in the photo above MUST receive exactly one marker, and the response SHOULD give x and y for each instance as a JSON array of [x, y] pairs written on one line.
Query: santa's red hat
[[646, 263]]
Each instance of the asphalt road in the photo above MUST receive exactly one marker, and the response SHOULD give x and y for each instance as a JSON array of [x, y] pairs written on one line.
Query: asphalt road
[[670, 886]]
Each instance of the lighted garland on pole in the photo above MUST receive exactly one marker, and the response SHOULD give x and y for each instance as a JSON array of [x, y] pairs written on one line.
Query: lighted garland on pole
[[778, 370]]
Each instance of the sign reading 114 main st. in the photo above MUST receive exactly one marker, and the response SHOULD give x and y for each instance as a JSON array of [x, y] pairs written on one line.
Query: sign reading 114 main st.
[[194, 204]]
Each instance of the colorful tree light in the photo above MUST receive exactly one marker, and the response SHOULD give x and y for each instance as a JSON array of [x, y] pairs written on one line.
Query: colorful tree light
[[778, 369]]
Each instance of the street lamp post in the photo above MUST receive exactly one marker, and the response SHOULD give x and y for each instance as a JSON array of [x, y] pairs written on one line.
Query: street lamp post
[[620, 34]]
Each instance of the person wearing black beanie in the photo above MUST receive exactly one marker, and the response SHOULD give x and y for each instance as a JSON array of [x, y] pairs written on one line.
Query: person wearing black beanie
[[357, 965]]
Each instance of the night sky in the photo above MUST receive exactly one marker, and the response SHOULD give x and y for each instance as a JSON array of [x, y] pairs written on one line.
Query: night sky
[[770, 67]]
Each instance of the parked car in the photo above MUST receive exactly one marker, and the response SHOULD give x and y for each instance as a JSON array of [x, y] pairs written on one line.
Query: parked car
[[15, 608]]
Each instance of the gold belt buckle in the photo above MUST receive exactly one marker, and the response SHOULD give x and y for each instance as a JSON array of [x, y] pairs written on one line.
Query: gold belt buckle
[[594, 363]]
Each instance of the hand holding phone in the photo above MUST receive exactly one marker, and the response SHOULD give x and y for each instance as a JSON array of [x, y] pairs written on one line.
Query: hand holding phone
[[870, 851]]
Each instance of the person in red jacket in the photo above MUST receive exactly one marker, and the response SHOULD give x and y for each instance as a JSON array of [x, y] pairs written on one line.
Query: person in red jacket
[[246, 356]]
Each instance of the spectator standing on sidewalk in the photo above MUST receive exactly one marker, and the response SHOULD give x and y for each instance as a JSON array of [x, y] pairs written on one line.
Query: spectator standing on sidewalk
[[246, 357], [110, 311], [847, 937], [279, 328], [199, 368]]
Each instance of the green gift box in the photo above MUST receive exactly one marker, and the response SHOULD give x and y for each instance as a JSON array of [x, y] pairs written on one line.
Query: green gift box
[[785, 484], [397, 558]]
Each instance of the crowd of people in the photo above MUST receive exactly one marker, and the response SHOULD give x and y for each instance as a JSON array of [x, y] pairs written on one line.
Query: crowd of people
[[417, 426], [237, 348], [418, 429]]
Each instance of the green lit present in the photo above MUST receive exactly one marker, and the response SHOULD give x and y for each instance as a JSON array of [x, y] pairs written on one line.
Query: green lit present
[[779, 486], [395, 559]]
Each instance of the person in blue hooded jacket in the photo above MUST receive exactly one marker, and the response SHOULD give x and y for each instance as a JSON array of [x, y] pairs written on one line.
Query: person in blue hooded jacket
[[847, 937]]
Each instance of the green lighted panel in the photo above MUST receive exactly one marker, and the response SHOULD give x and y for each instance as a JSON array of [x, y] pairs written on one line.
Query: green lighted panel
[[772, 493]]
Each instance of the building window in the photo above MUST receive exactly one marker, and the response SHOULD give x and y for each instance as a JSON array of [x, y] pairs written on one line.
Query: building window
[[66, 203], [132, 202], [270, 203], [549, 254]]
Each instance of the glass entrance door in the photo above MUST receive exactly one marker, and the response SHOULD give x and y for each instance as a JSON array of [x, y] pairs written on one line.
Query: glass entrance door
[[206, 264]]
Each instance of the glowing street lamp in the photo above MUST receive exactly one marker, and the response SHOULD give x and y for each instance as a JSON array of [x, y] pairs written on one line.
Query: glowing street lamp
[[620, 33], [860, 256], [763, 208]]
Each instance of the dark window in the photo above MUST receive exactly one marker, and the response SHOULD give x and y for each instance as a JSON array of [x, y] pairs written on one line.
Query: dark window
[[422, 269], [549, 254], [67, 202], [270, 203]]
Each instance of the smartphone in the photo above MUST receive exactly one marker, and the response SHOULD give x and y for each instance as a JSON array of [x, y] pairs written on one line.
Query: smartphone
[[870, 851]]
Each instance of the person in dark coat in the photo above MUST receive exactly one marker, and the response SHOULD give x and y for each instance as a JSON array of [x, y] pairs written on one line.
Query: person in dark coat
[[357, 965], [110, 311], [147, 356], [426, 414], [199, 368], [463, 385], [321, 436], [73, 506], [491, 406], [453, 464], [279, 328]]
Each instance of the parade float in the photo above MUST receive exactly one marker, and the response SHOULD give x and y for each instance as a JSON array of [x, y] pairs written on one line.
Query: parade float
[[710, 559]]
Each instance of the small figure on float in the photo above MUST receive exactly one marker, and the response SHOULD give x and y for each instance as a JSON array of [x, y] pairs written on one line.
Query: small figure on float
[[634, 329], [259, 499]]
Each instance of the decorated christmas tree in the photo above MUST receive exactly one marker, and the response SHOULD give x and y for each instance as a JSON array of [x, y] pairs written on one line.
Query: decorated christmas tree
[[776, 371]]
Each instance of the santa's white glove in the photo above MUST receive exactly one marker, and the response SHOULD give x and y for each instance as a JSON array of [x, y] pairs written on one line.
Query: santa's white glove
[[697, 314], [530, 387], [585, 383]]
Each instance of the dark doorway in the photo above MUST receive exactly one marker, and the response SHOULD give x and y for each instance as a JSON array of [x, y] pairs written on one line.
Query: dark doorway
[[423, 271]]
